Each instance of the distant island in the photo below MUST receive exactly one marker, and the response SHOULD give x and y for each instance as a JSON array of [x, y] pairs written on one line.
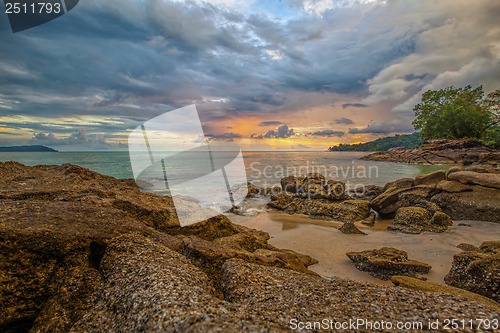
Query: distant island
[[408, 141], [28, 149]]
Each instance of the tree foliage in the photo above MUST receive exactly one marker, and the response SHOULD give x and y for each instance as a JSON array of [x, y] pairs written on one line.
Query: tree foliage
[[456, 113], [408, 141]]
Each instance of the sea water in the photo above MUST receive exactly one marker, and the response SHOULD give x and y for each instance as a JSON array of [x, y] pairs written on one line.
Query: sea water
[[264, 168]]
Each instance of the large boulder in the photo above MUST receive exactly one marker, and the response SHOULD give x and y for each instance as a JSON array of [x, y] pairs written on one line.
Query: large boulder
[[419, 284], [414, 220], [491, 180], [431, 179], [285, 298], [315, 186], [387, 262], [149, 288], [57, 224], [344, 211], [367, 192], [469, 203], [477, 270], [390, 201]]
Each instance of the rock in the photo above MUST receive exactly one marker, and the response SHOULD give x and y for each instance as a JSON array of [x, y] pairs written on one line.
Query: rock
[[440, 222], [386, 262], [452, 170], [210, 256], [81, 252], [414, 200], [314, 186], [149, 288], [414, 220], [50, 254], [368, 192], [478, 203], [370, 220], [491, 180], [418, 284], [411, 220], [475, 168], [73, 183], [464, 225], [278, 297], [467, 247], [389, 202], [453, 187], [402, 183], [350, 229], [431, 179], [477, 270], [344, 211]]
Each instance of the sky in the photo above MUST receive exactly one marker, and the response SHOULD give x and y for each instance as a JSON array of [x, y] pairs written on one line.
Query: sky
[[275, 74]]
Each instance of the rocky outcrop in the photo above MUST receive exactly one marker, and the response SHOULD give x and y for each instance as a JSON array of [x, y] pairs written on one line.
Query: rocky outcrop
[[281, 298], [80, 252], [387, 262], [344, 211], [489, 180], [318, 198], [56, 227], [442, 152], [468, 195], [414, 220], [393, 198], [418, 284], [461, 194], [477, 270], [315, 186], [367, 192]]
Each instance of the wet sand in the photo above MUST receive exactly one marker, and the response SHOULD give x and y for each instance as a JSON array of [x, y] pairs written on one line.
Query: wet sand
[[321, 240]]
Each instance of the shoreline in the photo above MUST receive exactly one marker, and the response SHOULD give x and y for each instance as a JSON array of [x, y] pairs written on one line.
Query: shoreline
[[321, 240]]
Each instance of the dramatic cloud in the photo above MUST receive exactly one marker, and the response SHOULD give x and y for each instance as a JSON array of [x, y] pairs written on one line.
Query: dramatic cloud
[[224, 136], [79, 137], [283, 132], [344, 121], [328, 133], [393, 126], [108, 66], [354, 105], [270, 123], [457, 45]]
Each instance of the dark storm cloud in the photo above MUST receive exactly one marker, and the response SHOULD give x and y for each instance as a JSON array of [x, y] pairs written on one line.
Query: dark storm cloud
[[344, 121], [328, 133], [393, 126], [354, 105], [270, 123], [138, 59], [283, 132], [79, 137], [101, 56], [224, 136]]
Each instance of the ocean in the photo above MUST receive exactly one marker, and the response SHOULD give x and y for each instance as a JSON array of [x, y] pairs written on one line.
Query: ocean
[[264, 168]]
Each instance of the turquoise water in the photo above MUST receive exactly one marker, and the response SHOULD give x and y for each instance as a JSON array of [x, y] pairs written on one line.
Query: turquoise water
[[263, 168]]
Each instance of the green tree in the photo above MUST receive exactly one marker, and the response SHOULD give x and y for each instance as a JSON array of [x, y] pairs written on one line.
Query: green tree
[[491, 136], [453, 113]]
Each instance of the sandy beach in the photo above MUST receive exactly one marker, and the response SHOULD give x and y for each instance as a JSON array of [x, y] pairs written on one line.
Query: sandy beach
[[321, 240]]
